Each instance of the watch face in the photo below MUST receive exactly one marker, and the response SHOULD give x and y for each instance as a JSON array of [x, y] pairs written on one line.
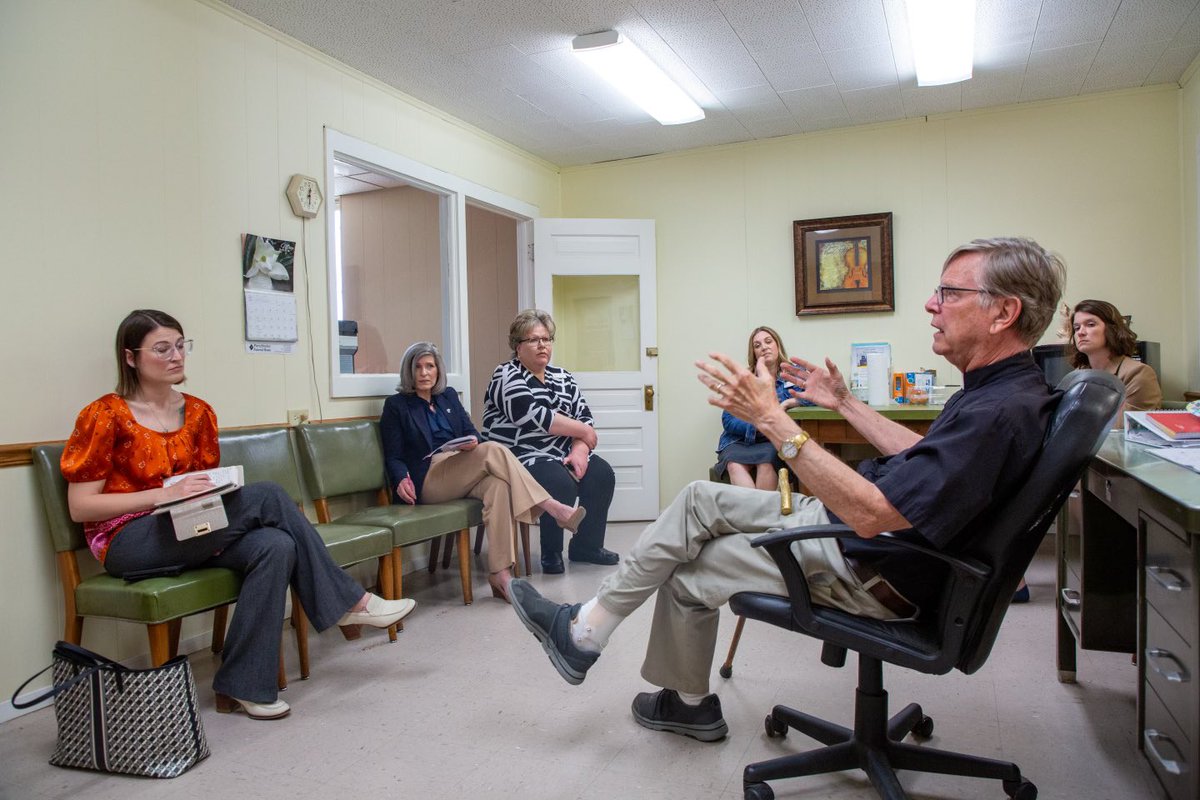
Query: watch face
[[789, 449]]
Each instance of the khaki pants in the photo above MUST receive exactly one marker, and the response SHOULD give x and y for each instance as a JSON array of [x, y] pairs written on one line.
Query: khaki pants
[[492, 474], [697, 554]]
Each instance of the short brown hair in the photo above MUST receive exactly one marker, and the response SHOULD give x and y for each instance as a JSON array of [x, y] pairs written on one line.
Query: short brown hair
[[130, 334]]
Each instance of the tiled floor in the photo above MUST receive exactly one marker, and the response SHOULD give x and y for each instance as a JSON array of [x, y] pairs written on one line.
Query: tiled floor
[[466, 705]]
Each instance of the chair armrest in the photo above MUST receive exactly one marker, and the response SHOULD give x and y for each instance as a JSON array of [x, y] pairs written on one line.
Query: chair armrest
[[961, 594], [839, 531]]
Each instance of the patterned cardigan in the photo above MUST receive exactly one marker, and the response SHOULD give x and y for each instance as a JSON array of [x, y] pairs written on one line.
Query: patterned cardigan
[[518, 409]]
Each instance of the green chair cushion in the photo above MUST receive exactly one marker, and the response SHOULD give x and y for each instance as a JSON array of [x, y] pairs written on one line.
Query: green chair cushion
[[157, 600], [350, 544], [413, 524]]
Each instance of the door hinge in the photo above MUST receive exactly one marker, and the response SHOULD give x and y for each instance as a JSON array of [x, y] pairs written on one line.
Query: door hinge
[[530, 246]]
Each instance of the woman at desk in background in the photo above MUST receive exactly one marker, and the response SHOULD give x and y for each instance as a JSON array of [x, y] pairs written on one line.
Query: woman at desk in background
[[422, 417], [122, 449], [742, 452], [1100, 338], [537, 411]]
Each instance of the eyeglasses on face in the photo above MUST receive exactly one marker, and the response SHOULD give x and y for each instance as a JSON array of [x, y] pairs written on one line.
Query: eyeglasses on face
[[940, 291], [538, 341], [164, 350]]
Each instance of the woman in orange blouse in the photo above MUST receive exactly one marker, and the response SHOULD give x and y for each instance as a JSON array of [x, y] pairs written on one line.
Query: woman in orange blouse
[[123, 447]]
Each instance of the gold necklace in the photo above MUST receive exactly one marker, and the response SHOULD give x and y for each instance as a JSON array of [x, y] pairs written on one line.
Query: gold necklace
[[154, 413]]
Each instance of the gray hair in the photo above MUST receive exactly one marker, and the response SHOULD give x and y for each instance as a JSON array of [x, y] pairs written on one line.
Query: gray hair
[[526, 321], [1020, 268], [408, 381]]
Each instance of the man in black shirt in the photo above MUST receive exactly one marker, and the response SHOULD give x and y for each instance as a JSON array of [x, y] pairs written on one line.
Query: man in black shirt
[[994, 300]]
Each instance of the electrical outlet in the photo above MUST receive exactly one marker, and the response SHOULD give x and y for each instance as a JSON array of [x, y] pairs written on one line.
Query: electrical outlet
[[297, 416]]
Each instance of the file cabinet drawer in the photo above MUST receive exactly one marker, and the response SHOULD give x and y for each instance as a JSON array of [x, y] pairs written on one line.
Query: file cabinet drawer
[[1170, 579], [1171, 672], [1165, 748]]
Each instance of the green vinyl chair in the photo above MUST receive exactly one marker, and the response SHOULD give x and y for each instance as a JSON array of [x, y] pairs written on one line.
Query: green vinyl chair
[[158, 603], [269, 454], [346, 458]]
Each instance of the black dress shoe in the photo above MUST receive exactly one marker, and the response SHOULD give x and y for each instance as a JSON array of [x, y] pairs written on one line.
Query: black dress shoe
[[552, 563], [600, 556], [665, 711]]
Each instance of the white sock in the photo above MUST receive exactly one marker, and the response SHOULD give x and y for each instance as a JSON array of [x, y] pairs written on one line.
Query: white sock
[[593, 625], [691, 699]]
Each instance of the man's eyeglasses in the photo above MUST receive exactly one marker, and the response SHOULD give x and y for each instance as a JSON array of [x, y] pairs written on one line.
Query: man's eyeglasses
[[941, 289], [538, 341], [164, 350]]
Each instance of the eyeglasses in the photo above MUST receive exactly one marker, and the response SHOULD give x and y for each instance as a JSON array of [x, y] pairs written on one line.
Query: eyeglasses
[[164, 350], [940, 290], [538, 340]]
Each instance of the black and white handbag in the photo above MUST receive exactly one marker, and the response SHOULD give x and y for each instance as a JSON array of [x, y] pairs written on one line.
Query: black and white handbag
[[115, 719]]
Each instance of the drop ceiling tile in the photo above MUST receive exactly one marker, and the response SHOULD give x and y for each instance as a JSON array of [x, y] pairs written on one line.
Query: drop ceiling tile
[[770, 128], [668, 13], [819, 102], [1189, 34], [714, 53], [920, 101], [846, 24], [748, 96], [1066, 66], [507, 66], [1150, 20], [1002, 56], [1048, 91], [862, 67], [589, 16], [566, 105], [993, 87], [877, 104], [797, 67], [1068, 22], [1122, 67], [1171, 65], [769, 25], [1005, 22]]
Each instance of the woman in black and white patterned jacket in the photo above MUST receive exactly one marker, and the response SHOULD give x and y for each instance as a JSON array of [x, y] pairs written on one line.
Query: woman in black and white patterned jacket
[[536, 410]]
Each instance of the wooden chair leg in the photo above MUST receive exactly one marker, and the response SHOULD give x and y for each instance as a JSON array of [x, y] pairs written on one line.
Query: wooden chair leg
[[220, 623], [73, 629], [173, 628], [464, 564], [479, 539], [727, 667], [398, 579], [281, 677], [160, 643], [387, 588], [435, 547], [300, 624], [524, 526]]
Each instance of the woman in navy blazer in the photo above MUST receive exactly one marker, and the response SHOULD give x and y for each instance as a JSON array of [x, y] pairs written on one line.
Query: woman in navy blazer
[[433, 454]]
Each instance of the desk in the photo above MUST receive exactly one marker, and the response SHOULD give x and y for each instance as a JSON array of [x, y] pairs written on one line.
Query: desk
[[1128, 568], [828, 427]]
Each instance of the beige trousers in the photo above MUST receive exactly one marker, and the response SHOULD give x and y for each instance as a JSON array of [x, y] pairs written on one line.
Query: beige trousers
[[492, 474], [697, 555]]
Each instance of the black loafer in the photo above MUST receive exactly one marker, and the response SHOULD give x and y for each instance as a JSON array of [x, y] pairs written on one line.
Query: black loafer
[[606, 558], [552, 563], [550, 622], [665, 711]]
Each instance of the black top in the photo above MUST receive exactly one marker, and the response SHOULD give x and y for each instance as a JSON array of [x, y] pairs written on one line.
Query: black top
[[407, 436], [967, 466]]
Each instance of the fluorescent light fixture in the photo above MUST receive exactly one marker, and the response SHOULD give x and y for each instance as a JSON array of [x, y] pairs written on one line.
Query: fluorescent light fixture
[[616, 60], [943, 40]]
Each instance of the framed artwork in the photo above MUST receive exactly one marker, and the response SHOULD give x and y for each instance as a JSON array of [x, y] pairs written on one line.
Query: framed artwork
[[844, 264]]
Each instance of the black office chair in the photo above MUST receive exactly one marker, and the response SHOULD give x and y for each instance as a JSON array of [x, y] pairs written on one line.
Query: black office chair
[[983, 574]]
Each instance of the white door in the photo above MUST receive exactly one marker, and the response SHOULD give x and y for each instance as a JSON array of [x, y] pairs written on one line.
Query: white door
[[596, 277]]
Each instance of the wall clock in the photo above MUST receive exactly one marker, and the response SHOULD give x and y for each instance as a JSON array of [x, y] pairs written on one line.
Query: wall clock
[[304, 195]]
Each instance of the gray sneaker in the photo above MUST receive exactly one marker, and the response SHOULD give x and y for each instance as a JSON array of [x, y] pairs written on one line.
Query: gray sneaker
[[665, 711], [550, 622]]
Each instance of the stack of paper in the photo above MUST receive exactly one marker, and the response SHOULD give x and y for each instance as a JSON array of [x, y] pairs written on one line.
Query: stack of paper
[[1144, 429]]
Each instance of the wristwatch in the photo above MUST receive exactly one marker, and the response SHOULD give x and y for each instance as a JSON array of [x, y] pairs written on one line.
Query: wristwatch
[[791, 447]]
